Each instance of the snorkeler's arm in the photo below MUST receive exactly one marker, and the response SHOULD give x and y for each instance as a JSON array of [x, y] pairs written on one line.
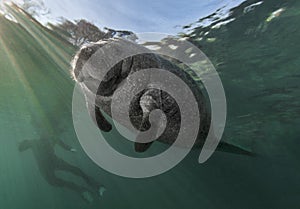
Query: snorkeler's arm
[[65, 146]]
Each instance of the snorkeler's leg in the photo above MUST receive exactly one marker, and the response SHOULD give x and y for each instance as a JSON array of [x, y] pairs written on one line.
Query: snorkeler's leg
[[63, 165], [53, 180], [84, 192]]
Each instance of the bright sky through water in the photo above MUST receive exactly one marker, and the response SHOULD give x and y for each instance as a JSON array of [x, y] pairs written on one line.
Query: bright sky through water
[[138, 15], [165, 16]]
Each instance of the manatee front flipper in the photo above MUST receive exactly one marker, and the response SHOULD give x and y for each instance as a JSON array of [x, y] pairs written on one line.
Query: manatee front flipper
[[102, 123], [98, 118]]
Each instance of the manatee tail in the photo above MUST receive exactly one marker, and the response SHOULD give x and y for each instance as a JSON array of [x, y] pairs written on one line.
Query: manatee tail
[[226, 147]]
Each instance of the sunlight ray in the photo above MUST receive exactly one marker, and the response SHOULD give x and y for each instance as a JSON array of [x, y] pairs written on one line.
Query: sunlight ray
[[56, 54], [27, 87]]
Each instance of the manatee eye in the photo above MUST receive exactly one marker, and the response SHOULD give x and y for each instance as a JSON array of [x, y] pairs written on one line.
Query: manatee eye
[[87, 52]]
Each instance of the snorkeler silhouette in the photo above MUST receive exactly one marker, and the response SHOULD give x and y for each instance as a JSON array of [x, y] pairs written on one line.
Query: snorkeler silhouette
[[48, 163]]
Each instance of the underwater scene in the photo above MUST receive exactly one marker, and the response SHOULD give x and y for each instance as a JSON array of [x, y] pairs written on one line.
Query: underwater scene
[[254, 48]]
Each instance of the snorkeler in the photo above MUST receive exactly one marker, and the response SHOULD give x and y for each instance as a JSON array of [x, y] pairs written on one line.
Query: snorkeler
[[48, 162]]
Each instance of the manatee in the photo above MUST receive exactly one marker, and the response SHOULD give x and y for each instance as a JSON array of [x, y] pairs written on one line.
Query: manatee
[[94, 81]]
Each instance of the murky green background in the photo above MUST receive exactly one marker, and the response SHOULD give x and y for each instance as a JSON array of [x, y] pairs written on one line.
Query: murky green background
[[257, 56]]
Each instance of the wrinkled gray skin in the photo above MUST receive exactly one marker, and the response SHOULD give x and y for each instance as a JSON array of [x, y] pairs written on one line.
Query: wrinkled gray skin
[[144, 102]]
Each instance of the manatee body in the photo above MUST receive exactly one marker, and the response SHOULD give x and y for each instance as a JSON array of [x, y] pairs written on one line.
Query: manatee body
[[94, 81]]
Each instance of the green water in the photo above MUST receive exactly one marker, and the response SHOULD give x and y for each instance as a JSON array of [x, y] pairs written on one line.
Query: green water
[[257, 58]]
